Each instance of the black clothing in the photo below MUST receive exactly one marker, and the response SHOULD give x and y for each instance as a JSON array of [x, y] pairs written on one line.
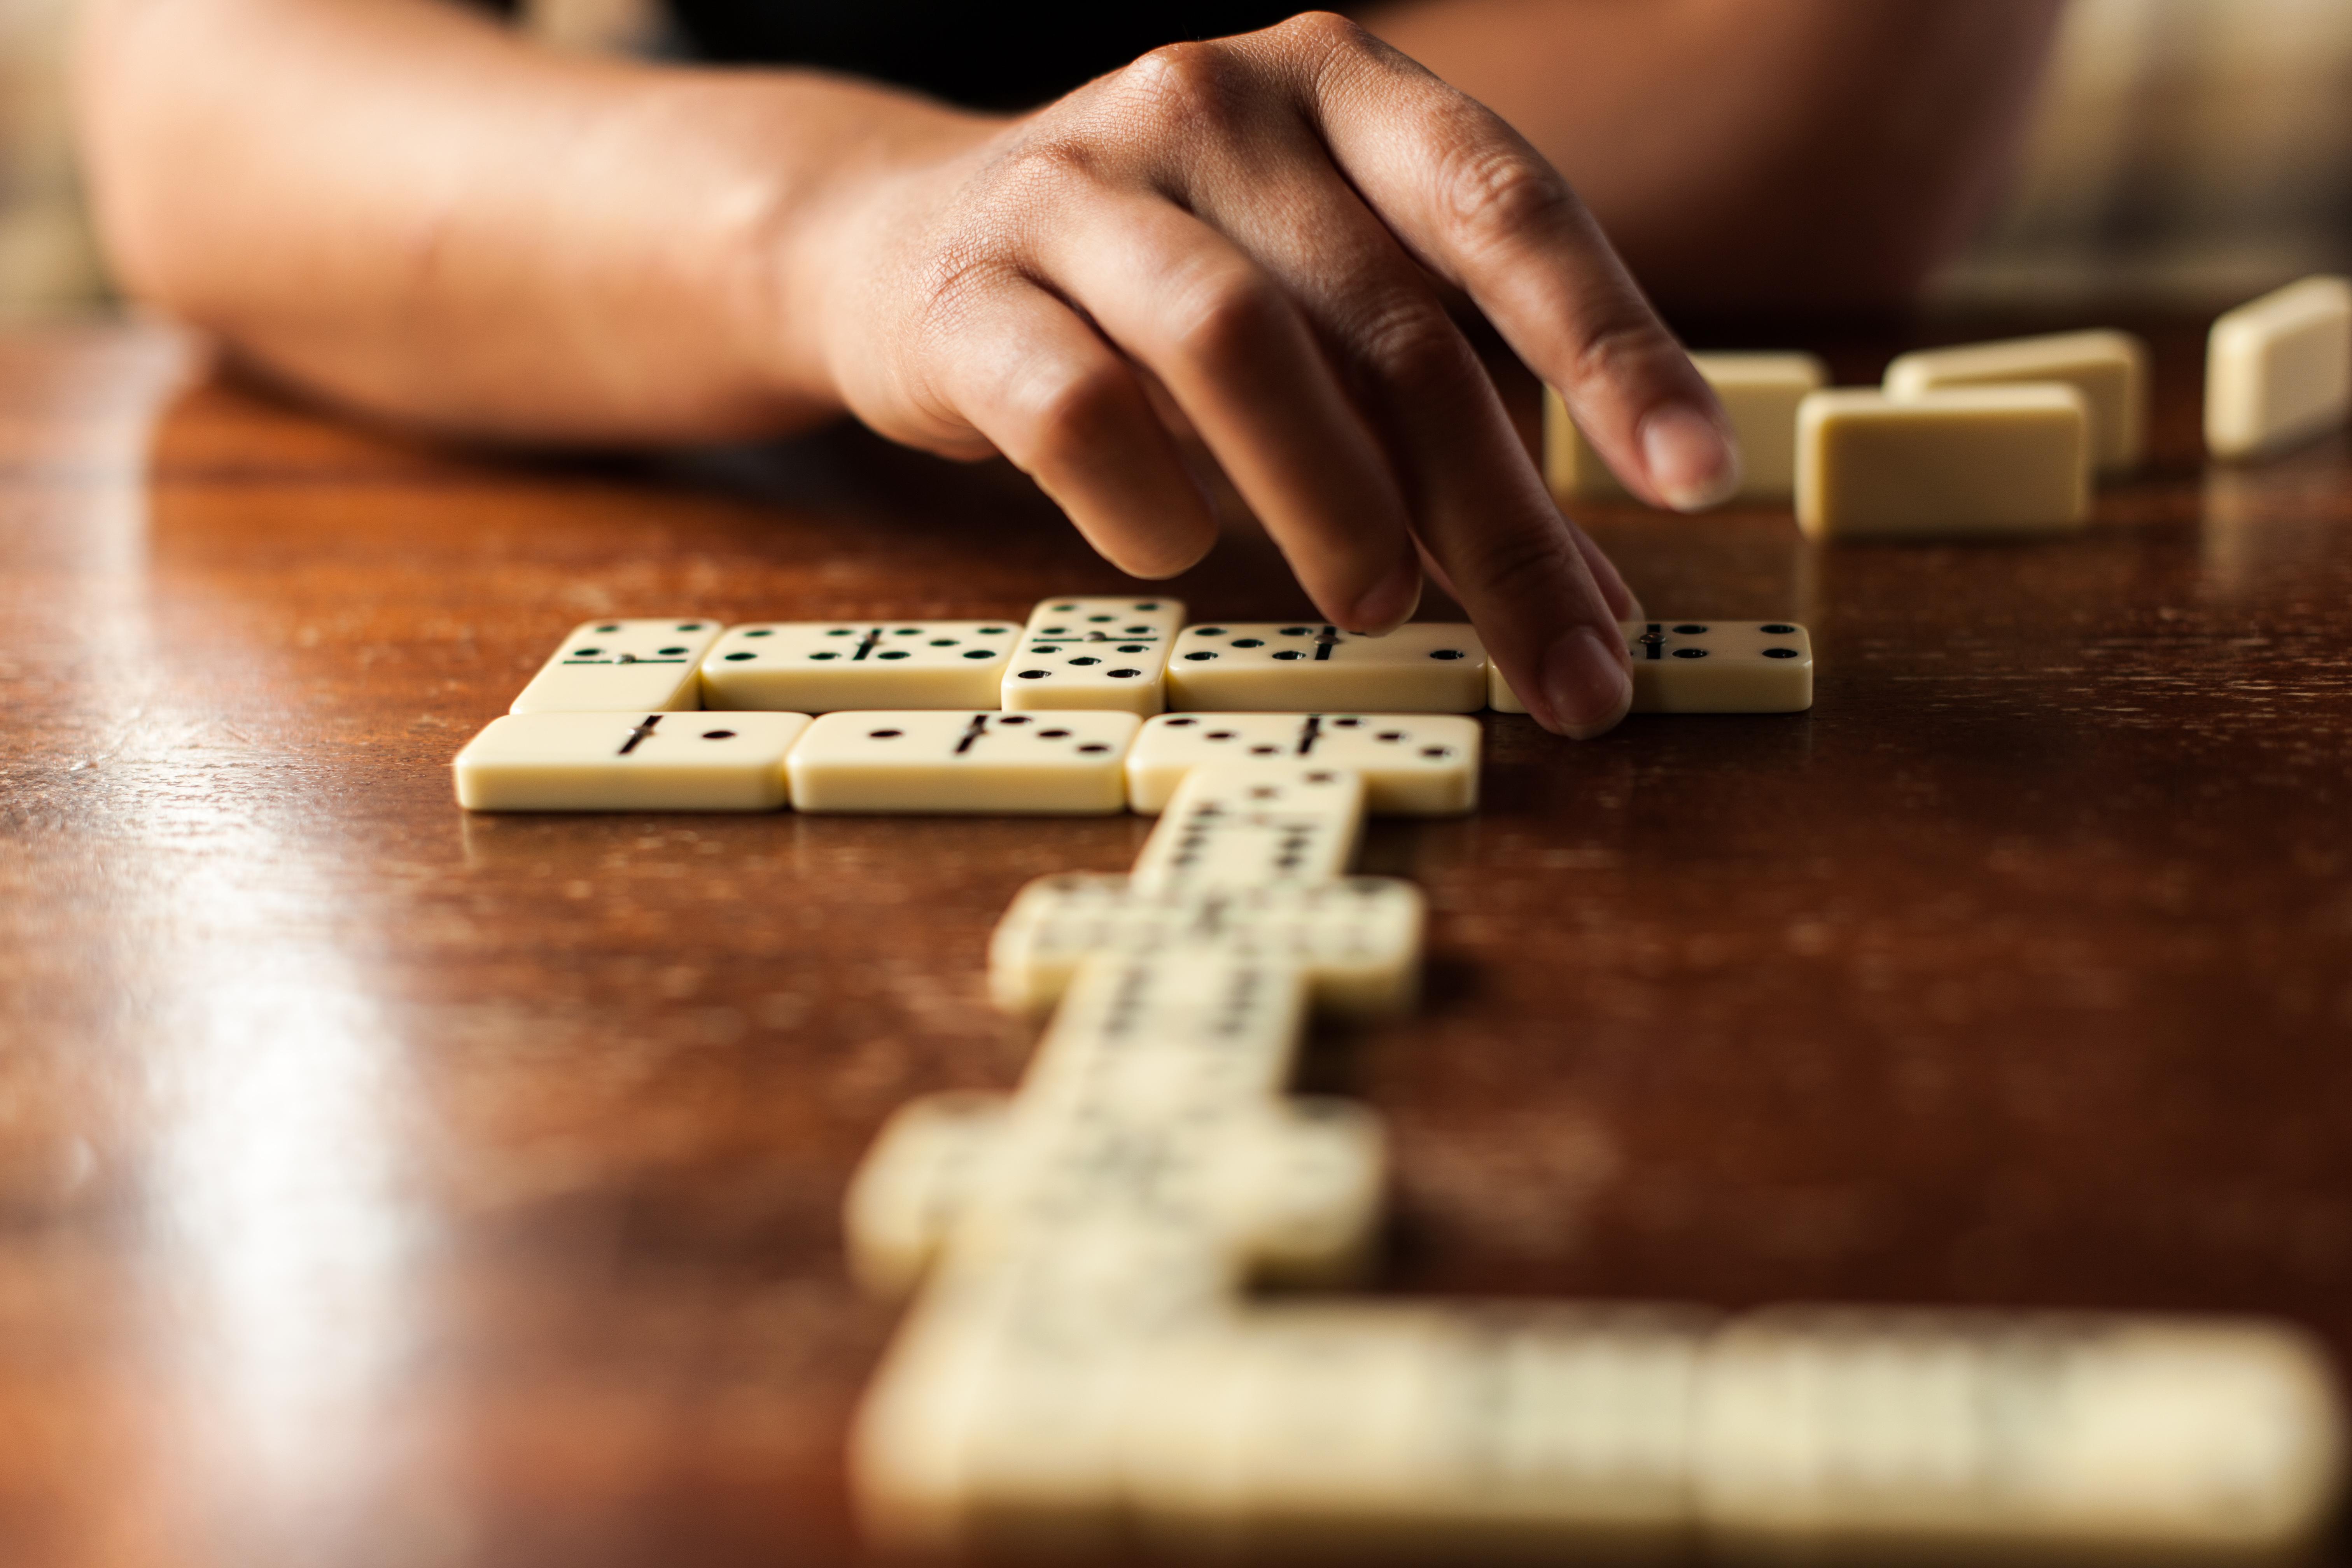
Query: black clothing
[[984, 56]]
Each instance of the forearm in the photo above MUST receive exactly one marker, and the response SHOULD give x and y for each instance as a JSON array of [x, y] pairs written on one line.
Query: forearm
[[1795, 155], [394, 202]]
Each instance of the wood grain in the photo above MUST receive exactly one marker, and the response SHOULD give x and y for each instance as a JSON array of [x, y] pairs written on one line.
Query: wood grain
[[386, 1186]]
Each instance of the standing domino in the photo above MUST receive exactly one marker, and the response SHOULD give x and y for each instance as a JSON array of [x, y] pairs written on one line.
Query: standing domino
[[819, 667], [1708, 667], [1759, 393], [1096, 653], [2108, 368], [1412, 764], [2278, 369], [966, 763], [1988, 460], [621, 667], [628, 761], [1425, 667]]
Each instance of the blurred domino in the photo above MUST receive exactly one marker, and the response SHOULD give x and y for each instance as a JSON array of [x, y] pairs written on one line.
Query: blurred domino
[[628, 761], [622, 666], [1424, 667], [1760, 393], [1708, 667], [1412, 764], [1977, 1434], [1094, 653], [909, 1189], [823, 667], [1473, 1433], [1357, 940], [970, 763], [1981, 460], [2108, 368], [1255, 825], [2278, 369]]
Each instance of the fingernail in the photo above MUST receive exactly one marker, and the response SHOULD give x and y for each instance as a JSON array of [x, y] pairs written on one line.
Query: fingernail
[[1693, 464], [1392, 601], [1586, 683]]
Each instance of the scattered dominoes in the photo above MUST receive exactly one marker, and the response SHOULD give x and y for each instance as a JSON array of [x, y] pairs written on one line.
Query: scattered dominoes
[[2108, 368], [1412, 764], [1759, 393], [1708, 667], [1094, 653], [617, 666], [1425, 666], [2278, 369], [815, 667], [669, 761], [929, 760], [1975, 460]]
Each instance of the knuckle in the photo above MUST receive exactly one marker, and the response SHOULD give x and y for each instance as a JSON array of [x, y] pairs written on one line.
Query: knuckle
[[1621, 352], [1186, 84], [1496, 195], [1411, 343], [1226, 316], [1528, 554], [1065, 412], [1324, 31]]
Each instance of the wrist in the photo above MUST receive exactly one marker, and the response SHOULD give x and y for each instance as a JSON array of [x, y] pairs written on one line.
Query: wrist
[[813, 223]]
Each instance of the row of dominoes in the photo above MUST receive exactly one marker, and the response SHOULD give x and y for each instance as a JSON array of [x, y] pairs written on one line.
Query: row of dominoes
[[2000, 437], [1133, 655], [943, 761], [876, 731], [1082, 1367]]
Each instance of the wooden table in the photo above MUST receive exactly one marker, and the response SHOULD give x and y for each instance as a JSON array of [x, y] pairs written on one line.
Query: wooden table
[[383, 1185]]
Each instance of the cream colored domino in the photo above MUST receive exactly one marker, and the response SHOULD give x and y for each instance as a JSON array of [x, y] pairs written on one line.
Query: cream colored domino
[[1982, 460], [1094, 653], [928, 1158], [1254, 824], [1414, 764], [1358, 939], [1457, 1433], [1187, 1028], [992, 1424], [1500, 695], [1290, 666], [2108, 368], [622, 666], [963, 763], [2278, 369], [826, 666], [1709, 666], [1759, 393], [1720, 667], [1869, 1432], [1289, 1191], [628, 761]]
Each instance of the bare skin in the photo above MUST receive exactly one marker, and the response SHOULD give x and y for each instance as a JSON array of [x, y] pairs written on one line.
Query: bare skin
[[1250, 241]]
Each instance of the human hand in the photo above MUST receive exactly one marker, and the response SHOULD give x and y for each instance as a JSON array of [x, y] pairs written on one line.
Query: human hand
[[1256, 230]]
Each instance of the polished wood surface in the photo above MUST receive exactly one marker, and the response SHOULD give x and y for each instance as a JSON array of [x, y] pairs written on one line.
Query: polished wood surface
[[383, 1185]]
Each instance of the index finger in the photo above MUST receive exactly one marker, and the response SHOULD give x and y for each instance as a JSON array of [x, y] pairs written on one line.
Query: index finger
[[1478, 206]]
